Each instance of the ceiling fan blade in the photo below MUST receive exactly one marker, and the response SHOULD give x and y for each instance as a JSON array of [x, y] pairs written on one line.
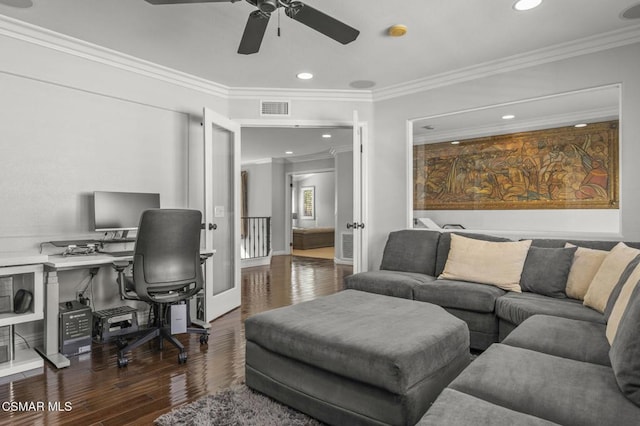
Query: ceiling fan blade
[[254, 32], [322, 22], [189, 1]]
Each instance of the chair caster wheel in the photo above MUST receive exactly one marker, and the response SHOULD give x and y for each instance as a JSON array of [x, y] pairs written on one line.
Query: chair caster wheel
[[122, 362], [204, 339], [182, 358]]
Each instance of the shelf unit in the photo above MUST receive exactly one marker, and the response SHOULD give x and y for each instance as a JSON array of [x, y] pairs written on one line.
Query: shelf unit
[[15, 275]]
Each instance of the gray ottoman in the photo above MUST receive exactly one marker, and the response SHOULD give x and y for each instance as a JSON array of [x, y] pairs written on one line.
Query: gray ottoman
[[356, 358]]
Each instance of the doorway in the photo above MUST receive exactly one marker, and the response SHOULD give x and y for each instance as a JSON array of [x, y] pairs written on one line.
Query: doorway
[[290, 154], [313, 214]]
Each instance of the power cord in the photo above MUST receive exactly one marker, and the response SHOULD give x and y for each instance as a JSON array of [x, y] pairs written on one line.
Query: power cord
[[23, 339]]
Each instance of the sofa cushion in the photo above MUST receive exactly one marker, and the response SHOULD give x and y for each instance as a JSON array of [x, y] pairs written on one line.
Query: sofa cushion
[[411, 250], [625, 350], [517, 307], [546, 270], [567, 338], [608, 275], [446, 410], [486, 262], [459, 294], [557, 389], [444, 244], [586, 263], [389, 283]]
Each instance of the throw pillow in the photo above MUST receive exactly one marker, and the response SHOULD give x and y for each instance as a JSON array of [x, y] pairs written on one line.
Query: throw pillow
[[486, 262], [546, 270], [411, 250], [625, 350], [586, 263], [618, 288], [608, 275], [622, 301]]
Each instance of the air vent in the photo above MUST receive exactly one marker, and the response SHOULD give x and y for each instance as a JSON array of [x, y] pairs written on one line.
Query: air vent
[[275, 108], [347, 245]]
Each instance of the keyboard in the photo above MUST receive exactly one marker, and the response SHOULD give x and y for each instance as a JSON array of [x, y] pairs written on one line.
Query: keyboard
[[123, 253]]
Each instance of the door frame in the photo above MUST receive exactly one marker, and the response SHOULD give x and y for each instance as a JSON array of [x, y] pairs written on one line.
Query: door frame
[[363, 126]]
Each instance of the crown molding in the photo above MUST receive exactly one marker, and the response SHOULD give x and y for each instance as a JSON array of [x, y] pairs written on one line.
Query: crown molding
[[40, 36], [591, 44], [309, 157], [250, 93], [340, 149]]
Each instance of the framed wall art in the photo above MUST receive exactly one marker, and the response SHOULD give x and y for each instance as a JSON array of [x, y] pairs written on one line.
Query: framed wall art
[[559, 168], [308, 202]]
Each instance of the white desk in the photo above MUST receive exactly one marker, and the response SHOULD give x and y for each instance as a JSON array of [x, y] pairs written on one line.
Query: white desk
[[52, 266]]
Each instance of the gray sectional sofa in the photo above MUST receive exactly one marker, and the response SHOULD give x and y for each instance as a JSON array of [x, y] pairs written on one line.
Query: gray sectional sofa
[[546, 360]]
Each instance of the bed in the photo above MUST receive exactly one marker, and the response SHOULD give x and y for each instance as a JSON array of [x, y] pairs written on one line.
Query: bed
[[309, 238]]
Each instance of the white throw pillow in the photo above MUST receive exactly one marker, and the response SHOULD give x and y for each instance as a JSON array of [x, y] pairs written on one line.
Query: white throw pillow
[[586, 263], [487, 262], [608, 276]]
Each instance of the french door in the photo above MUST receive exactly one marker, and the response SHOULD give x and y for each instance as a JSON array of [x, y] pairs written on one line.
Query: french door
[[221, 213]]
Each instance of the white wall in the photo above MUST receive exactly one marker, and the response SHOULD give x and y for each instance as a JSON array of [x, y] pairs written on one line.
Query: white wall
[[325, 201], [389, 154], [344, 198], [259, 189], [72, 124]]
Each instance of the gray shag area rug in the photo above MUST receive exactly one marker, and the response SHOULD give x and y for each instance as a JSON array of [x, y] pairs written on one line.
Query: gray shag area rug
[[239, 406]]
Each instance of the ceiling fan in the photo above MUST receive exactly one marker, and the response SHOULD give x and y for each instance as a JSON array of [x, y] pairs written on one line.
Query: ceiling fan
[[257, 24]]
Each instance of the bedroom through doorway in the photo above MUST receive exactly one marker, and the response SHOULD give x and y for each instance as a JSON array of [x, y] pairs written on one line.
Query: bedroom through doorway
[[313, 207]]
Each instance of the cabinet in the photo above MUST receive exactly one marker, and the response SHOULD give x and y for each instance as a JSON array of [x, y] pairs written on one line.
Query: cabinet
[[16, 275]]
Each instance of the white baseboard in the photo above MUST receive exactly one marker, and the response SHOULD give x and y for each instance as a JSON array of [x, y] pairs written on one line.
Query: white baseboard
[[338, 261], [259, 261]]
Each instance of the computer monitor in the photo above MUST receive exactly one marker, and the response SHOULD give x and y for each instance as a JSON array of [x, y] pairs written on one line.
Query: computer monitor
[[121, 211]]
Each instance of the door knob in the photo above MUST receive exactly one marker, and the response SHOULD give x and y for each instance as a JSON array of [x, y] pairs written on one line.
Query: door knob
[[213, 226]]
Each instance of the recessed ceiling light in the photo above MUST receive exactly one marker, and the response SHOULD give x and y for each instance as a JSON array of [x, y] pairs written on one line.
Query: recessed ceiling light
[[508, 117], [288, 152], [305, 76], [362, 84], [522, 5], [455, 143], [581, 125], [326, 136]]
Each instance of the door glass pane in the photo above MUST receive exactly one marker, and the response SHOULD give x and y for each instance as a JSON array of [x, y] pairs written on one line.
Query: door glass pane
[[224, 214]]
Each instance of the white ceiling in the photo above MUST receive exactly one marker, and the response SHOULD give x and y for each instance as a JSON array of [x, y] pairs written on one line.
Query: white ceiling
[[585, 106], [263, 143], [202, 39]]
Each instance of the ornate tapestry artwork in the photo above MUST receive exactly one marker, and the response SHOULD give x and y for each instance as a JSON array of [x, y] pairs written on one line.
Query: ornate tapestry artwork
[[561, 168]]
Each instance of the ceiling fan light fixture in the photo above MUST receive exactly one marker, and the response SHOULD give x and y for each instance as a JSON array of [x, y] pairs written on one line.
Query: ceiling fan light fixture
[[522, 5], [267, 6]]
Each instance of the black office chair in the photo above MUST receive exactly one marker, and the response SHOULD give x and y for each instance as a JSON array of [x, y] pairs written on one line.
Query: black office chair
[[166, 270]]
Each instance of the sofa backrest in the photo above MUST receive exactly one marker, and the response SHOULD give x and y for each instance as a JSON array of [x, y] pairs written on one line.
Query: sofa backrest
[[592, 244], [411, 250]]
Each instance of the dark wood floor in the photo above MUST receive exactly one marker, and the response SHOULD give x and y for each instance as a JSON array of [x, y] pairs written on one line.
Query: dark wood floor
[[154, 382]]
